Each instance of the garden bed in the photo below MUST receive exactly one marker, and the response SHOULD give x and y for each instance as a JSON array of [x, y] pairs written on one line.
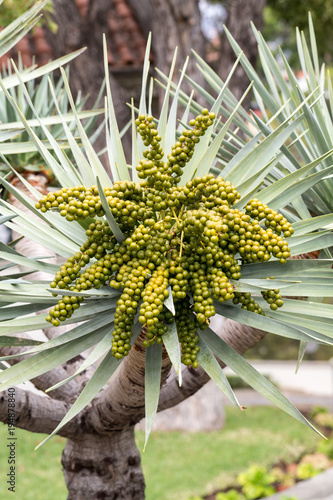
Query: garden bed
[[172, 459], [260, 482]]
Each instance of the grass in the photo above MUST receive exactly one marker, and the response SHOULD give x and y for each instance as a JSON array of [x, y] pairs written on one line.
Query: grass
[[38, 473], [172, 460], [179, 465]]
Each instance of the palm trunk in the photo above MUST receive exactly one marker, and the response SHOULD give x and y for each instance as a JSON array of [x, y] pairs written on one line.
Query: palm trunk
[[104, 467]]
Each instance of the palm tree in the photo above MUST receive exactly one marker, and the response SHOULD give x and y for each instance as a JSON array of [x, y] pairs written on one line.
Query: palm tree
[[158, 222]]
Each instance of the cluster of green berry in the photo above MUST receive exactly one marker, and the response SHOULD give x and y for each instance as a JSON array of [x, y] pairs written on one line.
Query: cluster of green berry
[[222, 289], [180, 242], [131, 280], [63, 310], [202, 297], [124, 199], [187, 328], [213, 193], [68, 278], [153, 296], [273, 298], [182, 151], [248, 302], [156, 332], [73, 203], [160, 174], [152, 167], [273, 219]]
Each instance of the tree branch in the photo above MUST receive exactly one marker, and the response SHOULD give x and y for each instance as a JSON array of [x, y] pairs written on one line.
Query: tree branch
[[121, 403], [36, 413], [238, 336], [67, 392]]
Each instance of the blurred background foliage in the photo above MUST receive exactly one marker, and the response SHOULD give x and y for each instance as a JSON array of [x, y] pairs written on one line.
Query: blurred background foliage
[[280, 348], [281, 16], [12, 9]]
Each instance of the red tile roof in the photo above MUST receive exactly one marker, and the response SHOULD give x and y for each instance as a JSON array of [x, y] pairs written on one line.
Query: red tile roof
[[125, 40]]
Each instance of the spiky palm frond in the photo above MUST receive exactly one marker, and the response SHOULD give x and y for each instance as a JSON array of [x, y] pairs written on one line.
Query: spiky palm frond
[[249, 167], [38, 106], [14, 144], [307, 154]]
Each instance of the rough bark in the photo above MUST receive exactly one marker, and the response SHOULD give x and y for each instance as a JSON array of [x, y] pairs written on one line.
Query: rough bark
[[173, 24], [143, 13], [121, 403], [240, 15], [67, 392], [103, 467], [73, 33], [37, 413], [177, 24]]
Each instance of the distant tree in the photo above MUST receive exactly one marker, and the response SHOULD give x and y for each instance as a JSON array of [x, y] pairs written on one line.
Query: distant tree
[[240, 13], [172, 24], [237, 18], [290, 14]]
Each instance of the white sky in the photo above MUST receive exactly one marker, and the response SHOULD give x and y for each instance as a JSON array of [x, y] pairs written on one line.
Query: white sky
[[213, 17]]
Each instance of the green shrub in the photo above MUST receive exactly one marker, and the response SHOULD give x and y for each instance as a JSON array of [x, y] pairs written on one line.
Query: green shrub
[[230, 495], [306, 471], [256, 482], [326, 447], [289, 498], [316, 410]]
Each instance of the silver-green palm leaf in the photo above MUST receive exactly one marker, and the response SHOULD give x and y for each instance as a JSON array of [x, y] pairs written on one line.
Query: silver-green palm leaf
[[260, 162]]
